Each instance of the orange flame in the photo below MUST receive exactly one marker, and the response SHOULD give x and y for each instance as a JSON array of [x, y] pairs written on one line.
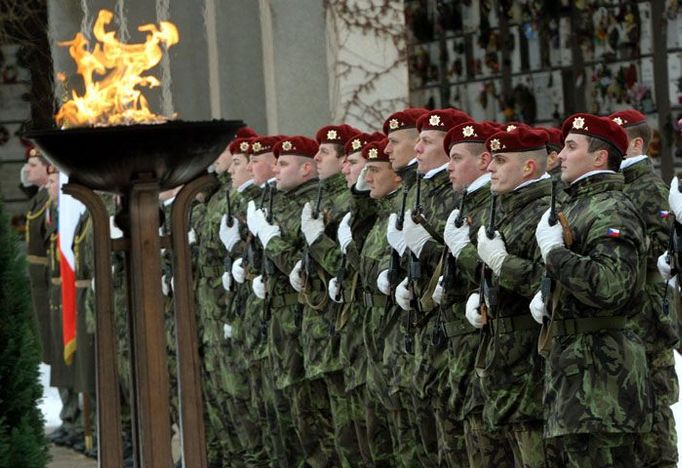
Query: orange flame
[[115, 99]]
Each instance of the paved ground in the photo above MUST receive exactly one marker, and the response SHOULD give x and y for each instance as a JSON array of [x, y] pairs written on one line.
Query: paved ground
[[66, 458]]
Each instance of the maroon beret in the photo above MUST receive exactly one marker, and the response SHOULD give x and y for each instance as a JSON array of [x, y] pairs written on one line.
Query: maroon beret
[[32, 152], [468, 132], [264, 144], [403, 119], [442, 119], [554, 137], [628, 118], [246, 132], [374, 151], [241, 146], [296, 146], [509, 126], [598, 127], [338, 134], [521, 139], [358, 141]]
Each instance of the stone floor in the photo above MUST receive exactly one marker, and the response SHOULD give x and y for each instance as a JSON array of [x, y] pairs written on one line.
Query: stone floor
[[67, 458]]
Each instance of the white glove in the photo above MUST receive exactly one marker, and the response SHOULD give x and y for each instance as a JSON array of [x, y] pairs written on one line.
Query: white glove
[[344, 233], [92, 285], [361, 183], [229, 235], [238, 272], [395, 238], [191, 236], [116, 233], [415, 234], [165, 290], [172, 284], [227, 281], [472, 314], [437, 295], [267, 231], [548, 237], [312, 228], [675, 198], [383, 284], [252, 220], [403, 296], [537, 308], [258, 287], [492, 251], [295, 277], [227, 331], [664, 267], [456, 238], [333, 290]]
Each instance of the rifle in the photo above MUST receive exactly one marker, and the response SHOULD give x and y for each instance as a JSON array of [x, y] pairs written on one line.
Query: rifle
[[547, 285], [227, 264], [486, 290], [414, 274], [267, 269], [308, 270], [394, 265], [449, 274], [673, 257]]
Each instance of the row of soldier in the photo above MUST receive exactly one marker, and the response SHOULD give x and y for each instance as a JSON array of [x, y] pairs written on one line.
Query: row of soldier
[[445, 293]]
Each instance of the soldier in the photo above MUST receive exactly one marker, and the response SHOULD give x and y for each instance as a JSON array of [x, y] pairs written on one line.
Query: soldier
[[458, 384], [655, 325], [421, 235], [508, 363], [597, 395], [278, 231]]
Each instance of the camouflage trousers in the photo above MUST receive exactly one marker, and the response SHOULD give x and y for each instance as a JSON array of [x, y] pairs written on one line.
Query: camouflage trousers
[[311, 414], [344, 437], [452, 450], [425, 422], [261, 451], [371, 428], [280, 438], [483, 446], [659, 447], [596, 450], [407, 451]]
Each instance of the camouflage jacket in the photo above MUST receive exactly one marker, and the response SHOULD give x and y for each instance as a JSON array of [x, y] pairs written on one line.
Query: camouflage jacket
[[649, 194], [596, 374], [281, 308], [513, 370]]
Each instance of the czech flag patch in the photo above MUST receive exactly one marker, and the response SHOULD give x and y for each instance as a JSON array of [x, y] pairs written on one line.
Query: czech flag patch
[[612, 232], [664, 214]]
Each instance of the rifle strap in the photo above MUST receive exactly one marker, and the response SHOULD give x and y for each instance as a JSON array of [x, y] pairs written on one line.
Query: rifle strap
[[346, 309], [306, 293], [426, 299], [437, 236]]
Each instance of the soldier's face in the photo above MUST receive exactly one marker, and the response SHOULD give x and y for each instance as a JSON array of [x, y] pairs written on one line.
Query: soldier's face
[[575, 159], [507, 171], [400, 147], [222, 163], [430, 152], [239, 170], [352, 166], [53, 186], [262, 167], [381, 179], [465, 166], [36, 172], [289, 171], [327, 160]]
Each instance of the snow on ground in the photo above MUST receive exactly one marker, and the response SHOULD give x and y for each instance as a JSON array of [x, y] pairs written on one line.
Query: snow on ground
[[50, 405]]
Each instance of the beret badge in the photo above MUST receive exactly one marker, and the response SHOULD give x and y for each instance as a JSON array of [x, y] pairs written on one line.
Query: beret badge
[[286, 146], [244, 146], [579, 123], [468, 131], [332, 135], [434, 120], [373, 153], [356, 144], [393, 124]]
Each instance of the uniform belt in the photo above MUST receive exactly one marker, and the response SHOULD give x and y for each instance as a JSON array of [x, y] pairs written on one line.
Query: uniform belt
[[373, 300], [83, 283], [284, 300], [586, 325], [36, 260], [458, 328], [56, 280], [211, 271], [516, 323]]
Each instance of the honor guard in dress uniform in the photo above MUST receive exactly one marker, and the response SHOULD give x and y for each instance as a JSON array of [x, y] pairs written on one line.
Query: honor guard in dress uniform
[[656, 324], [508, 364], [597, 395]]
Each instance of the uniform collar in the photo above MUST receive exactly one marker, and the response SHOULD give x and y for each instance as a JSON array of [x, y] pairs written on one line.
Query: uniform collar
[[478, 183], [590, 174], [532, 181], [245, 185], [433, 172], [632, 161]]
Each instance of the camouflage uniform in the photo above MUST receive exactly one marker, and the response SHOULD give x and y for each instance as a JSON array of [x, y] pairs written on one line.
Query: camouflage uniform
[[283, 314], [36, 257], [656, 325], [596, 374], [460, 384], [511, 370]]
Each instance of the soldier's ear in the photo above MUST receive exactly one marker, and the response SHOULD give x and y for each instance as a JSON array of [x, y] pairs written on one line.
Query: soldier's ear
[[485, 158]]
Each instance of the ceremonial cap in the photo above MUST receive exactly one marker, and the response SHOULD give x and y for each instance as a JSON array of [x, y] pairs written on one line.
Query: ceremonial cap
[[374, 151], [338, 134], [264, 144], [32, 152], [296, 146], [246, 132], [406, 118], [628, 118], [241, 146], [468, 132], [517, 141], [357, 142], [442, 119], [602, 128], [554, 138]]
